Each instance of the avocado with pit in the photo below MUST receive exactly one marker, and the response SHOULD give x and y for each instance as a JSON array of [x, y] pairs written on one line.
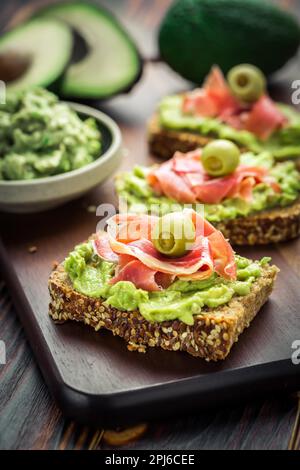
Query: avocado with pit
[[26, 60], [110, 62], [196, 34]]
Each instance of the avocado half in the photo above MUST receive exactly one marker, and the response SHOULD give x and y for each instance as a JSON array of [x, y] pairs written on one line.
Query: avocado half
[[25, 56], [111, 63], [196, 34]]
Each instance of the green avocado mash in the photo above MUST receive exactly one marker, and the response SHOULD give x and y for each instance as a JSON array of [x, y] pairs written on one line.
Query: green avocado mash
[[40, 136], [181, 300], [283, 144], [134, 189]]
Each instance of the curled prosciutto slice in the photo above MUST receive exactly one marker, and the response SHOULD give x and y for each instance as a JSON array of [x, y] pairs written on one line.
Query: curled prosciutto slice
[[131, 227], [144, 251], [186, 171], [214, 99], [214, 190], [201, 103], [140, 275], [222, 254], [140, 263], [216, 87], [169, 183], [102, 248], [264, 118]]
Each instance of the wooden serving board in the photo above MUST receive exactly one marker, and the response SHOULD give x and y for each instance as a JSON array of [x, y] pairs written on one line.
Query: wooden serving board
[[92, 375]]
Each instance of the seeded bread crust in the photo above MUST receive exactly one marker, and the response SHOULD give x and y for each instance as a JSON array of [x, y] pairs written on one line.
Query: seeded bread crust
[[272, 226], [165, 142], [211, 337]]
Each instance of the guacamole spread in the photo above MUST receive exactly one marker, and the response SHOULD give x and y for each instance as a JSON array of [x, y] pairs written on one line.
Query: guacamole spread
[[41, 136], [134, 189], [90, 276], [283, 144]]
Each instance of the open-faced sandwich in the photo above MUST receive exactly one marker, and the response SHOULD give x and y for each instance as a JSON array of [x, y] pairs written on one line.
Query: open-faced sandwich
[[249, 197], [238, 109], [173, 282]]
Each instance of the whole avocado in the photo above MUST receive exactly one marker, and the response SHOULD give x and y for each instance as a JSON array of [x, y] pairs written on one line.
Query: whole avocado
[[196, 34]]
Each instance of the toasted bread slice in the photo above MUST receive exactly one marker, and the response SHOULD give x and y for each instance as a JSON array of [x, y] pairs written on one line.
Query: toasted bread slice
[[270, 226], [165, 142], [211, 337]]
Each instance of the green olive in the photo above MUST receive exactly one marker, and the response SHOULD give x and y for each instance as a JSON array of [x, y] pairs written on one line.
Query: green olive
[[247, 82], [173, 234], [220, 157]]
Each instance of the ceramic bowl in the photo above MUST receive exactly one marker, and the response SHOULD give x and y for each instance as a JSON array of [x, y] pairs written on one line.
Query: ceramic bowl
[[45, 193]]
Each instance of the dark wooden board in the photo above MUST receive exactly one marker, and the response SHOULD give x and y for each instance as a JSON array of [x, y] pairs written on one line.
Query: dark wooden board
[[92, 375]]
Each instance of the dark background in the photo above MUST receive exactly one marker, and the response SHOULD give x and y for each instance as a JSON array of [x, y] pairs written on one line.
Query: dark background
[[29, 419]]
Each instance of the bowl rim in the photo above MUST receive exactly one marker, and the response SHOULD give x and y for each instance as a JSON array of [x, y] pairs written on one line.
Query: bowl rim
[[109, 153]]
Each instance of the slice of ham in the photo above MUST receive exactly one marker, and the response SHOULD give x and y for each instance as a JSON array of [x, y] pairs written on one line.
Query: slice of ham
[[199, 102], [220, 249], [133, 270], [215, 190], [103, 249], [140, 263], [140, 275], [215, 100], [186, 171], [131, 227], [217, 88], [202, 226], [144, 251], [186, 162], [224, 262], [264, 118], [170, 184]]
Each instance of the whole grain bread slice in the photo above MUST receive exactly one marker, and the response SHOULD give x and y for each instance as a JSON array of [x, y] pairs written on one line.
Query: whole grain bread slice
[[270, 226], [211, 337], [165, 142]]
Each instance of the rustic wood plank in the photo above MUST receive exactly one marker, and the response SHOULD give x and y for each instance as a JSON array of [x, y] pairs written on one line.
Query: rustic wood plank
[[30, 420]]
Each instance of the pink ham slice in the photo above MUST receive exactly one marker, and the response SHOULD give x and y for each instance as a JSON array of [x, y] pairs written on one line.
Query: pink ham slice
[[140, 263], [102, 248], [264, 118], [224, 262], [139, 274], [213, 99], [131, 227], [186, 171], [215, 190], [171, 184], [144, 251], [216, 87], [199, 102]]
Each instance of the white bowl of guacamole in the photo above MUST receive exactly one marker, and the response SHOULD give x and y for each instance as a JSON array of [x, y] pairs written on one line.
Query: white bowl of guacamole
[[52, 152]]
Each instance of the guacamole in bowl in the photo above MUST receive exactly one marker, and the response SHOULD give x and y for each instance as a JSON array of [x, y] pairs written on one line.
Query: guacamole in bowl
[[52, 152], [42, 136]]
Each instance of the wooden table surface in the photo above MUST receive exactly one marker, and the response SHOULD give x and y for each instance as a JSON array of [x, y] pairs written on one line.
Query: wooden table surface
[[29, 418]]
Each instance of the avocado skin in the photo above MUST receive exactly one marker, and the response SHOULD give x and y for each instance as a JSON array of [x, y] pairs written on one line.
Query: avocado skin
[[196, 34]]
